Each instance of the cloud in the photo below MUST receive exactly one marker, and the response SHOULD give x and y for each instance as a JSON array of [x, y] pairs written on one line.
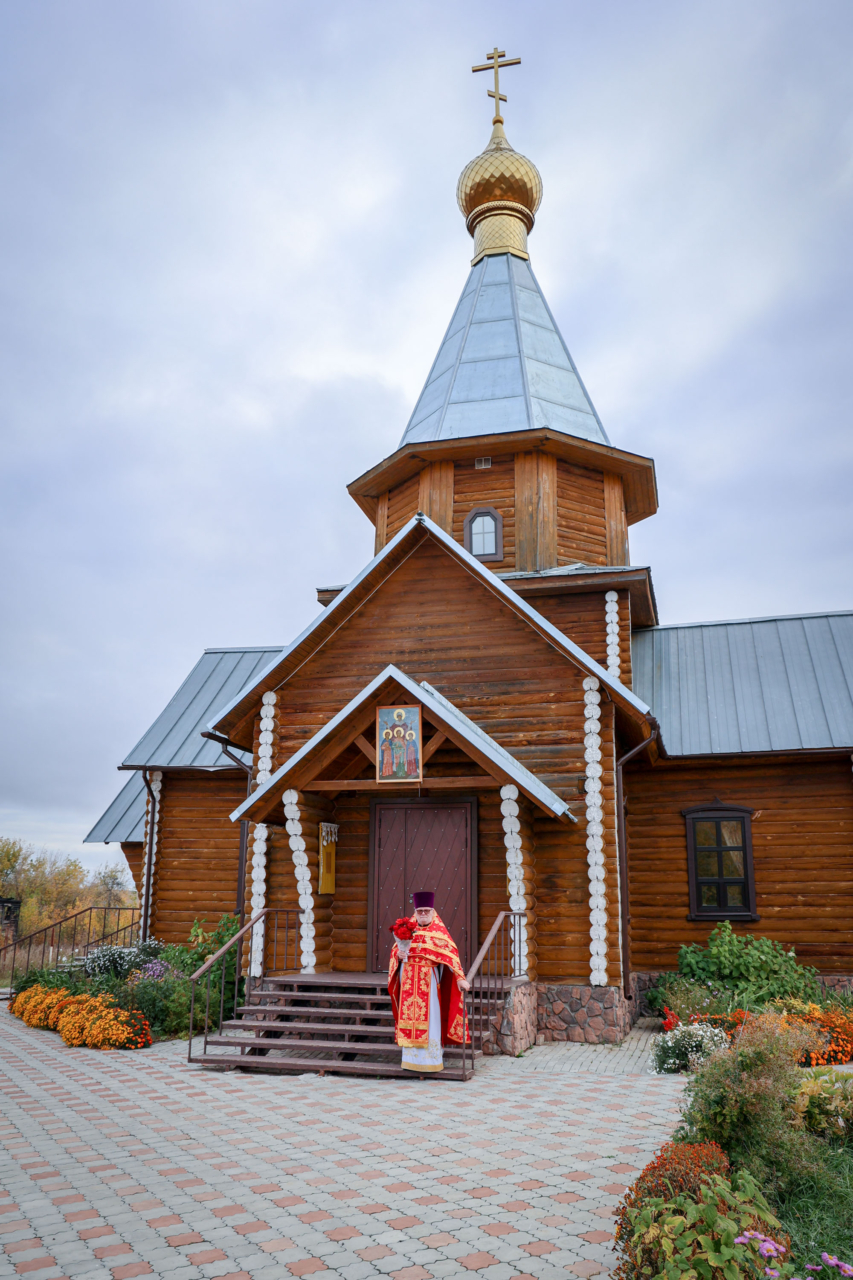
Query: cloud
[[229, 249]]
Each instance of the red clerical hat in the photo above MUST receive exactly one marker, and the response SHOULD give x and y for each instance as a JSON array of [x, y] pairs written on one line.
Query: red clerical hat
[[424, 900]]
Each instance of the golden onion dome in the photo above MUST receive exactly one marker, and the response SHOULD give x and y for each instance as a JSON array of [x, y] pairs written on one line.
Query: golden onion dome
[[499, 193], [499, 173]]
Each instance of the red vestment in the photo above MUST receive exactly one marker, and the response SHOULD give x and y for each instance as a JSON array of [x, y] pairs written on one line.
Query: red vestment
[[430, 947]]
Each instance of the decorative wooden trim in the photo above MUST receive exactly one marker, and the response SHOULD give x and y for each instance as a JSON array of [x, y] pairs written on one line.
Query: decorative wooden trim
[[437, 739], [267, 739], [152, 831], [435, 494], [535, 510], [259, 895], [365, 748], [611, 616], [595, 834], [304, 887], [615, 520], [484, 783], [498, 553], [516, 886], [381, 523], [716, 810]]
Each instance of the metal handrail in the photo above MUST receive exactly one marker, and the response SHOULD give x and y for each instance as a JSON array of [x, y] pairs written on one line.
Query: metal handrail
[[500, 954], [268, 945], [50, 937]]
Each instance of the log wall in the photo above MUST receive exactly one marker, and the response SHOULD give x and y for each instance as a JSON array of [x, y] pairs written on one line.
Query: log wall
[[198, 849], [581, 522], [802, 838], [402, 505], [135, 857], [492, 487], [438, 623]]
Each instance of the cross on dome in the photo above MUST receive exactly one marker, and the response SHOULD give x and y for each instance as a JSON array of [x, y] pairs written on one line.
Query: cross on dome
[[494, 64]]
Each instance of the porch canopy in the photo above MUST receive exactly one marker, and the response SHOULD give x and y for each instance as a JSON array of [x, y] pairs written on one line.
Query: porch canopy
[[339, 757]]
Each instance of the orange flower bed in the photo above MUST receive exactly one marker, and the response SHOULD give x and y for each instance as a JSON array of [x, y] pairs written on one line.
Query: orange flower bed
[[93, 1022], [833, 1026]]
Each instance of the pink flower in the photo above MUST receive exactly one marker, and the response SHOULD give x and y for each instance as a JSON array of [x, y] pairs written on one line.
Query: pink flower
[[829, 1260]]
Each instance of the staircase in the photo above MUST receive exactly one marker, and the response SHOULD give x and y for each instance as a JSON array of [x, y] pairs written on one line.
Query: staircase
[[334, 1022], [337, 1023]]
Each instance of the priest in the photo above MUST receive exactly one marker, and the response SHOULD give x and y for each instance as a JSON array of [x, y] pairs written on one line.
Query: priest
[[426, 984]]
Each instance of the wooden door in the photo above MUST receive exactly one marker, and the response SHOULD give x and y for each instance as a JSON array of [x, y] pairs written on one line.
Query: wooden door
[[418, 845]]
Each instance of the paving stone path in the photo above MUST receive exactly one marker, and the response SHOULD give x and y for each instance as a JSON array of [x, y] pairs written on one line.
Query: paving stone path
[[118, 1165]]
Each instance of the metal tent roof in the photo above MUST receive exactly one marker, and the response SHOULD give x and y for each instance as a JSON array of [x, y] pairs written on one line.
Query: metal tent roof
[[174, 740], [760, 684], [503, 365]]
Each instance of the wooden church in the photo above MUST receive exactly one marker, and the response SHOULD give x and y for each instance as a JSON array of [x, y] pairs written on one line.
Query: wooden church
[[492, 709]]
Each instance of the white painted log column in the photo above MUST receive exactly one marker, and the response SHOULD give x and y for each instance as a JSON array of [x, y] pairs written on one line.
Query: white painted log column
[[515, 878], [611, 617], [595, 834], [156, 783], [259, 897], [303, 880], [266, 739], [263, 772]]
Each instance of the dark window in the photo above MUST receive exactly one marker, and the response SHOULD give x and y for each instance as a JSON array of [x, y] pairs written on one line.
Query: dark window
[[483, 533], [719, 856]]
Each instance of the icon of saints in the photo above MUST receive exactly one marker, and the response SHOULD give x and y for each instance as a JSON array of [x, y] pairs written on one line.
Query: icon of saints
[[411, 754], [386, 756], [398, 751]]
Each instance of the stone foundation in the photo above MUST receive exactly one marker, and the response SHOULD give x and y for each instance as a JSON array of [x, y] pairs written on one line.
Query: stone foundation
[[585, 1015], [515, 1030]]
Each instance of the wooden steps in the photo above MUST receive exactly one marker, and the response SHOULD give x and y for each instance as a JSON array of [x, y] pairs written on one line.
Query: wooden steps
[[340, 1023]]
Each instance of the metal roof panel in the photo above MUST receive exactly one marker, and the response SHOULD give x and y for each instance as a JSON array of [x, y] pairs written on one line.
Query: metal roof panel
[[752, 685], [124, 820]]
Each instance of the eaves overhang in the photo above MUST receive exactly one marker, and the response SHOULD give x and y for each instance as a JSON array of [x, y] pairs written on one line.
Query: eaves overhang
[[442, 712], [574, 578], [637, 472], [234, 721]]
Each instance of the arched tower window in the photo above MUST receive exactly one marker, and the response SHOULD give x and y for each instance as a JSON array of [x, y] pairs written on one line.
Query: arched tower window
[[483, 533]]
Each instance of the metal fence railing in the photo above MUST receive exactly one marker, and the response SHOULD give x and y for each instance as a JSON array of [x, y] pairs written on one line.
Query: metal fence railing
[[61, 944], [501, 962]]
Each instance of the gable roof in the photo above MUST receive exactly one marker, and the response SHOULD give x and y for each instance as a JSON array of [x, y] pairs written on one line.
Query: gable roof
[[124, 821], [754, 685], [502, 365], [443, 712], [231, 715], [174, 740]]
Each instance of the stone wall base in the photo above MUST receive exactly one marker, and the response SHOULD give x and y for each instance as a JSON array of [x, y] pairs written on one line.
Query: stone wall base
[[585, 1015], [515, 1029], [541, 1013]]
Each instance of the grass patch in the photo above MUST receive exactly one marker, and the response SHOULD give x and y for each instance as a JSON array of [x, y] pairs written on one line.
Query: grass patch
[[817, 1213]]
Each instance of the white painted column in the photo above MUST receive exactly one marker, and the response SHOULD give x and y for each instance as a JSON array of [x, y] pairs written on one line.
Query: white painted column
[[515, 878], [266, 739], [303, 880], [156, 783], [259, 897], [595, 834], [611, 615]]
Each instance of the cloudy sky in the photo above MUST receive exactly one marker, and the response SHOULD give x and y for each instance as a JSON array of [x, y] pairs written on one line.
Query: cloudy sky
[[229, 248]]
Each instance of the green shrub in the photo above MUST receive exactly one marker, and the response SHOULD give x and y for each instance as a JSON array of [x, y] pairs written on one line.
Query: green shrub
[[756, 969], [824, 1104], [703, 1234]]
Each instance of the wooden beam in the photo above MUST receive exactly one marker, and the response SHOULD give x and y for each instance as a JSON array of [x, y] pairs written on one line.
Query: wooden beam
[[433, 745], [616, 525], [481, 783], [365, 748]]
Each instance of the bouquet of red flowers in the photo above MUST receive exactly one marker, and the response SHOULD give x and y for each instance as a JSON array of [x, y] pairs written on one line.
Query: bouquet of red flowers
[[403, 929]]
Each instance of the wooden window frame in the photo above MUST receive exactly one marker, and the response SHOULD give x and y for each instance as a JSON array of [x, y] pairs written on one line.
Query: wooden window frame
[[715, 812], [498, 553]]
